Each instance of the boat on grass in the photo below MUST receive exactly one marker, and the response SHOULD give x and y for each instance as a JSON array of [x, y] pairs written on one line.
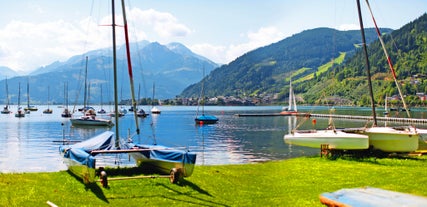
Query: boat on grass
[[81, 157], [386, 139], [335, 139]]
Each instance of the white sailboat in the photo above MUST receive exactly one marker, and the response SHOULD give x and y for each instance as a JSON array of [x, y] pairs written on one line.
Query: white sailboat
[[292, 108], [20, 113], [154, 109], [159, 159], [6, 108], [386, 139], [333, 138], [89, 115]]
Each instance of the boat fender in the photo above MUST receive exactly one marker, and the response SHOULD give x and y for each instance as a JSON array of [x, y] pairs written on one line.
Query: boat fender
[[104, 180], [314, 121]]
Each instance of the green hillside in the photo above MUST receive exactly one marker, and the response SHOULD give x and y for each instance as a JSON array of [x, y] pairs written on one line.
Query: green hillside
[[326, 64]]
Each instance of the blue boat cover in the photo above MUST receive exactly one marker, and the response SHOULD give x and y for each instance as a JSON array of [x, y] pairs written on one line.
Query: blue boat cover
[[80, 152], [159, 152]]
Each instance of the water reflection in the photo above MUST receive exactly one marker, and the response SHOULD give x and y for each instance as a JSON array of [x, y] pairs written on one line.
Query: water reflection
[[31, 143]]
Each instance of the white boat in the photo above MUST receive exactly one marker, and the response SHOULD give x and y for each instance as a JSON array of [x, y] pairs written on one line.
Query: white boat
[[159, 159], [88, 120], [20, 113], [335, 139], [386, 139], [6, 108], [29, 107], [154, 109], [292, 108]]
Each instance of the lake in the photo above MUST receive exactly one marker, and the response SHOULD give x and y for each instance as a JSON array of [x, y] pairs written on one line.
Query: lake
[[30, 144]]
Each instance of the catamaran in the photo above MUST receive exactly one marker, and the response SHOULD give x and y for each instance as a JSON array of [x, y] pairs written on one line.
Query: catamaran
[[386, 139], [161, 159]]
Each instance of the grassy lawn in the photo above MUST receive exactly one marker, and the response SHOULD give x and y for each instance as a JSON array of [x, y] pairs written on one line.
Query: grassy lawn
[[294, 182]]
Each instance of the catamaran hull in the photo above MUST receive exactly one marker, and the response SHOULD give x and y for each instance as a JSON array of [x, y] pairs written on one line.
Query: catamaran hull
[[334, 139], [164, 160], [84, 172], [388, 139]]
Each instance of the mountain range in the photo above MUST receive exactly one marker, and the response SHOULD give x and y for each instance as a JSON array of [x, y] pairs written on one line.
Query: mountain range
[[170, 68]]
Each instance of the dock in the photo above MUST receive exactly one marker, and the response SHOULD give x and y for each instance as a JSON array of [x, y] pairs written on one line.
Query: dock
[[340, 116]]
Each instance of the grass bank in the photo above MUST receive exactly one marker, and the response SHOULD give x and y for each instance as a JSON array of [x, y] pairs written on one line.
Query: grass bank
[[294, 182]]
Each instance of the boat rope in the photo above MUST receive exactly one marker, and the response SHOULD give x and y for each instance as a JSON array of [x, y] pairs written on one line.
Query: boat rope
[[390, 63]]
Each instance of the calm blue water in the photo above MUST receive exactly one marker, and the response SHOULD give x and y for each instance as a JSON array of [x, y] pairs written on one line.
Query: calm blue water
[[31, 144]]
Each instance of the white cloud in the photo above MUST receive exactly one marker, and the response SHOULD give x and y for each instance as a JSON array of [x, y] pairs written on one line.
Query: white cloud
[[164, 24], [27, 46], [225, 54], [346, 27]]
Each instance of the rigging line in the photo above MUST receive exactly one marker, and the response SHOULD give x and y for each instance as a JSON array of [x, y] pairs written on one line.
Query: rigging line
[[390, 63]]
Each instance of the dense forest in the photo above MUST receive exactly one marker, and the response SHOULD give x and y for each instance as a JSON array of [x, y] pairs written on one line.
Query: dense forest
[[327, 65]]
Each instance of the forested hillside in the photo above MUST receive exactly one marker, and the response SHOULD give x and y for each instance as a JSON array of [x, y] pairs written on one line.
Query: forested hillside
[[407, 48], [327, 66], [267, 70]]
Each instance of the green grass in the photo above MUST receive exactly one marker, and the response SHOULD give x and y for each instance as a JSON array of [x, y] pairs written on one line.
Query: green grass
[[294, 182]]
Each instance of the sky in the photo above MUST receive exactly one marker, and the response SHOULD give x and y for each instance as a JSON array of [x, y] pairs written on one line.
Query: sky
[[35, 33]]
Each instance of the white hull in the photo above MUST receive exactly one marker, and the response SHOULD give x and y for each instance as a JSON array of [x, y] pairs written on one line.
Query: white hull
[[388, 139], [88, 121], [87, 174], [335, 139], [163, 166]]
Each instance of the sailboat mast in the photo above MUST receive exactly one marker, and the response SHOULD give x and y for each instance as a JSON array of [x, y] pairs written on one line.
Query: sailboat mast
[[85, 92], [368, 67], [390, 63], [7, 94], [130, 66], [116, 97]]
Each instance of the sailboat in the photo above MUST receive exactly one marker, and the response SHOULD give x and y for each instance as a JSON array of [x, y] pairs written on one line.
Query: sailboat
[[385, 139], [140, 112], [6, 108], [48, 110], [20, 113], [292, 108], [81, 159], [29, 107], [154, 109], [101, 110], [89, 115], [204, 118], [66, 113], [333, 138]]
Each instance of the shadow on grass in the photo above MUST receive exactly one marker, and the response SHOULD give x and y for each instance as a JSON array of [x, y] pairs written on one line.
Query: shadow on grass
[[194, 199], [93, 187], [372, 156]]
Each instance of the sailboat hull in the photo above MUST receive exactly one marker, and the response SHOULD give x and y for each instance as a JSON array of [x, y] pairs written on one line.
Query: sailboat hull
[[161, 160], [388, 139], [88, 121], [206, 119], [334, 139]]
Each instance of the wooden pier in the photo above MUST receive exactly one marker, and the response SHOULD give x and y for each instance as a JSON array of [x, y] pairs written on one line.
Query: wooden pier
[[339, 116]]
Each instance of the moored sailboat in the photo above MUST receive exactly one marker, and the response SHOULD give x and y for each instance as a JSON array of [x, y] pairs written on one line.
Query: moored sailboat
[[292, 108], [6, 108], [29, 107], [20, 113], [204, 118]]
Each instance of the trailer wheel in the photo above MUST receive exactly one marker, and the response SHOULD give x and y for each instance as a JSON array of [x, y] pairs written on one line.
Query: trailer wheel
[[175, 175]]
